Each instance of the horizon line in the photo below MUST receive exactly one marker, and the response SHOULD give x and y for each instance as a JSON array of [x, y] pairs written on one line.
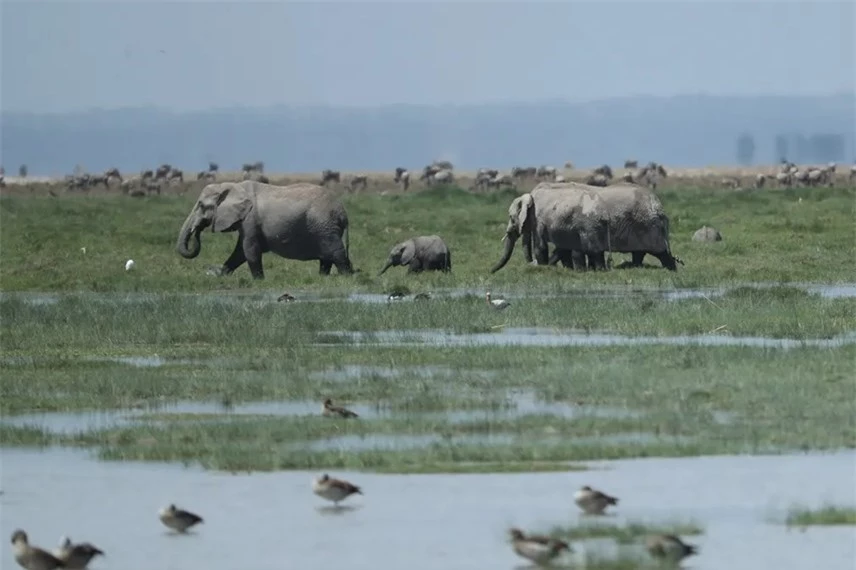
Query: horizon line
[[446, 105]]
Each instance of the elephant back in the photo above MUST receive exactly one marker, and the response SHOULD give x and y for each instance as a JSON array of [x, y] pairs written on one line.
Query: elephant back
[[637, 220]]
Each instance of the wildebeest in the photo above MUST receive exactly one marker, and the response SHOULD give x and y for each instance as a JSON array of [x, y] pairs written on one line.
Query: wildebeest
[[330, 176], [207, 175], [257, 166], [629, 163], [360, 180], [402, 176]]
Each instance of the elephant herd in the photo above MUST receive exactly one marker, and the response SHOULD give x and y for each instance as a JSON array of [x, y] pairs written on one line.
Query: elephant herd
[[308, 222]]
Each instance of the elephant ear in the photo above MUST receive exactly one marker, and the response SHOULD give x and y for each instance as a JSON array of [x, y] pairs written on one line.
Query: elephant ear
[[233, 205], [408, 252], [525, 209]]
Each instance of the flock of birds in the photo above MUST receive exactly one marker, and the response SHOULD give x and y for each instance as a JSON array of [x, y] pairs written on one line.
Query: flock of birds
[[536, 548]]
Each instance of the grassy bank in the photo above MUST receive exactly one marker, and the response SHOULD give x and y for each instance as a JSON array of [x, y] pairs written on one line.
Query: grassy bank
[[769, 235], [827, 515]]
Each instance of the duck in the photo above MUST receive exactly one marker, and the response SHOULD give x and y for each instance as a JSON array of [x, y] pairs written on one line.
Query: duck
[[32, 557], [287, 297], [334, 490], [536, 548], [330, 411], [498, 304], [395, 297], [669, 547], [592, 501], [76, 556], [178, 519]]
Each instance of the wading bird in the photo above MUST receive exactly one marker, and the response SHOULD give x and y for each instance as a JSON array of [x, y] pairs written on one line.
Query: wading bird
[[32, 557], [592, 501], [178, 519], [331, 411], [498, 304], [538, 549], [669, 547], [334, 490], [76, 556]]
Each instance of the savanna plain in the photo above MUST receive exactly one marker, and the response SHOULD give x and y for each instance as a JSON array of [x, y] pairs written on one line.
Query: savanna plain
[[716, 401]]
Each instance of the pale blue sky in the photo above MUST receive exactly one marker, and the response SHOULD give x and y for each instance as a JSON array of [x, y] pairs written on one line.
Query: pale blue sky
[[66, 55]]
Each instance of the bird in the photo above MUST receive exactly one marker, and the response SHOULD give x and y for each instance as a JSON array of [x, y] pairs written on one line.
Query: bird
[[331, 411], [178, 519], [592, 501], [395, 297], [422, 296], [538, 549], [129, 265], [334, 490], [32, 557], [76, 556], [669, 547], [498, 304], [287, 297]]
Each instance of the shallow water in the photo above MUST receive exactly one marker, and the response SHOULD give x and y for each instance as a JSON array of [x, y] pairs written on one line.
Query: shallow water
[[554, 337], [830, 291], [520, 403], [424, 521]]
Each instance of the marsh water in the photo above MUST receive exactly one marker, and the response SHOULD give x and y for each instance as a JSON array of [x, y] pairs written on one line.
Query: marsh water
[[830, 291], [273, 521]]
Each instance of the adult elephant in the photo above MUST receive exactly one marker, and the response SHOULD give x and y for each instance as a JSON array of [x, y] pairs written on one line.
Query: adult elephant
[[300, 221], [638, 225], [570, 216], [423, 253]]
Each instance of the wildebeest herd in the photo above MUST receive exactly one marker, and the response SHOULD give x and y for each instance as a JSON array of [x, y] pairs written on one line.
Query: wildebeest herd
[[652, 174]]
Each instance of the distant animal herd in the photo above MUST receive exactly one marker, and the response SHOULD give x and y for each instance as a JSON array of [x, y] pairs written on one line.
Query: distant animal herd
[[153, 181]]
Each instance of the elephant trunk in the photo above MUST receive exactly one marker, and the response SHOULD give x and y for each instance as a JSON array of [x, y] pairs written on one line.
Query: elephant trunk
[[189, 244], [527, 246], [385, 267], [509, 249]]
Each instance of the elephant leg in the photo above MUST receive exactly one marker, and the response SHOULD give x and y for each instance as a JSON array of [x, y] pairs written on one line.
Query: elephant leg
[[668, 261], [235, 260], [597, 260], [333, 253], [638, 256], [325, 265], [253, 255], [542, 256], [415, 266], [578, 260]]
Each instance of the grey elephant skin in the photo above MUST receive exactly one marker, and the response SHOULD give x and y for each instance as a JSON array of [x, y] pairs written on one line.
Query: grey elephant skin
[[570, 216], [423, 253], [638, 225], [300, 221]]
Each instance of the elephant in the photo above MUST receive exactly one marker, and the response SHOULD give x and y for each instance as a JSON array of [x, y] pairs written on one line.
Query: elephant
[[301, 221], [571, 216], [423, 253], [638, 224]]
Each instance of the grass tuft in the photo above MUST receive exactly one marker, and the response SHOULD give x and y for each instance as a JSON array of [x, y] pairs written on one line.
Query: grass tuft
[[826, 515]]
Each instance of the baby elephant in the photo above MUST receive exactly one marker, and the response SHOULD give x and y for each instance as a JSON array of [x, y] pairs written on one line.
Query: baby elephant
[[423, 253]]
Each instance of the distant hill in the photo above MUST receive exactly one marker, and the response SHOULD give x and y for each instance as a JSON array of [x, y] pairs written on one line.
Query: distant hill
[[679, 131]]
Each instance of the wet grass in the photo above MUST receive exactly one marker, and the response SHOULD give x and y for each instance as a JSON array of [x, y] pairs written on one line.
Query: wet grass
[[626, 533], [769, 235], [825, 516]]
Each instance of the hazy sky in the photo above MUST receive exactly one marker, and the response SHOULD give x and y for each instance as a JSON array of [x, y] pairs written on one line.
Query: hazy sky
[[65, 55]]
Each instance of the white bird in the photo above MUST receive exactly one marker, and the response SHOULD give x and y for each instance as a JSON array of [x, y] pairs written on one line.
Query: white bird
[[83, 250], [498, 304], [129, 265]]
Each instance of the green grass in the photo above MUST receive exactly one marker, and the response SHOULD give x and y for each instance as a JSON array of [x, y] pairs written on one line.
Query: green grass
[[236, 344], [827, 515], [768, 236], [626, 533]]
